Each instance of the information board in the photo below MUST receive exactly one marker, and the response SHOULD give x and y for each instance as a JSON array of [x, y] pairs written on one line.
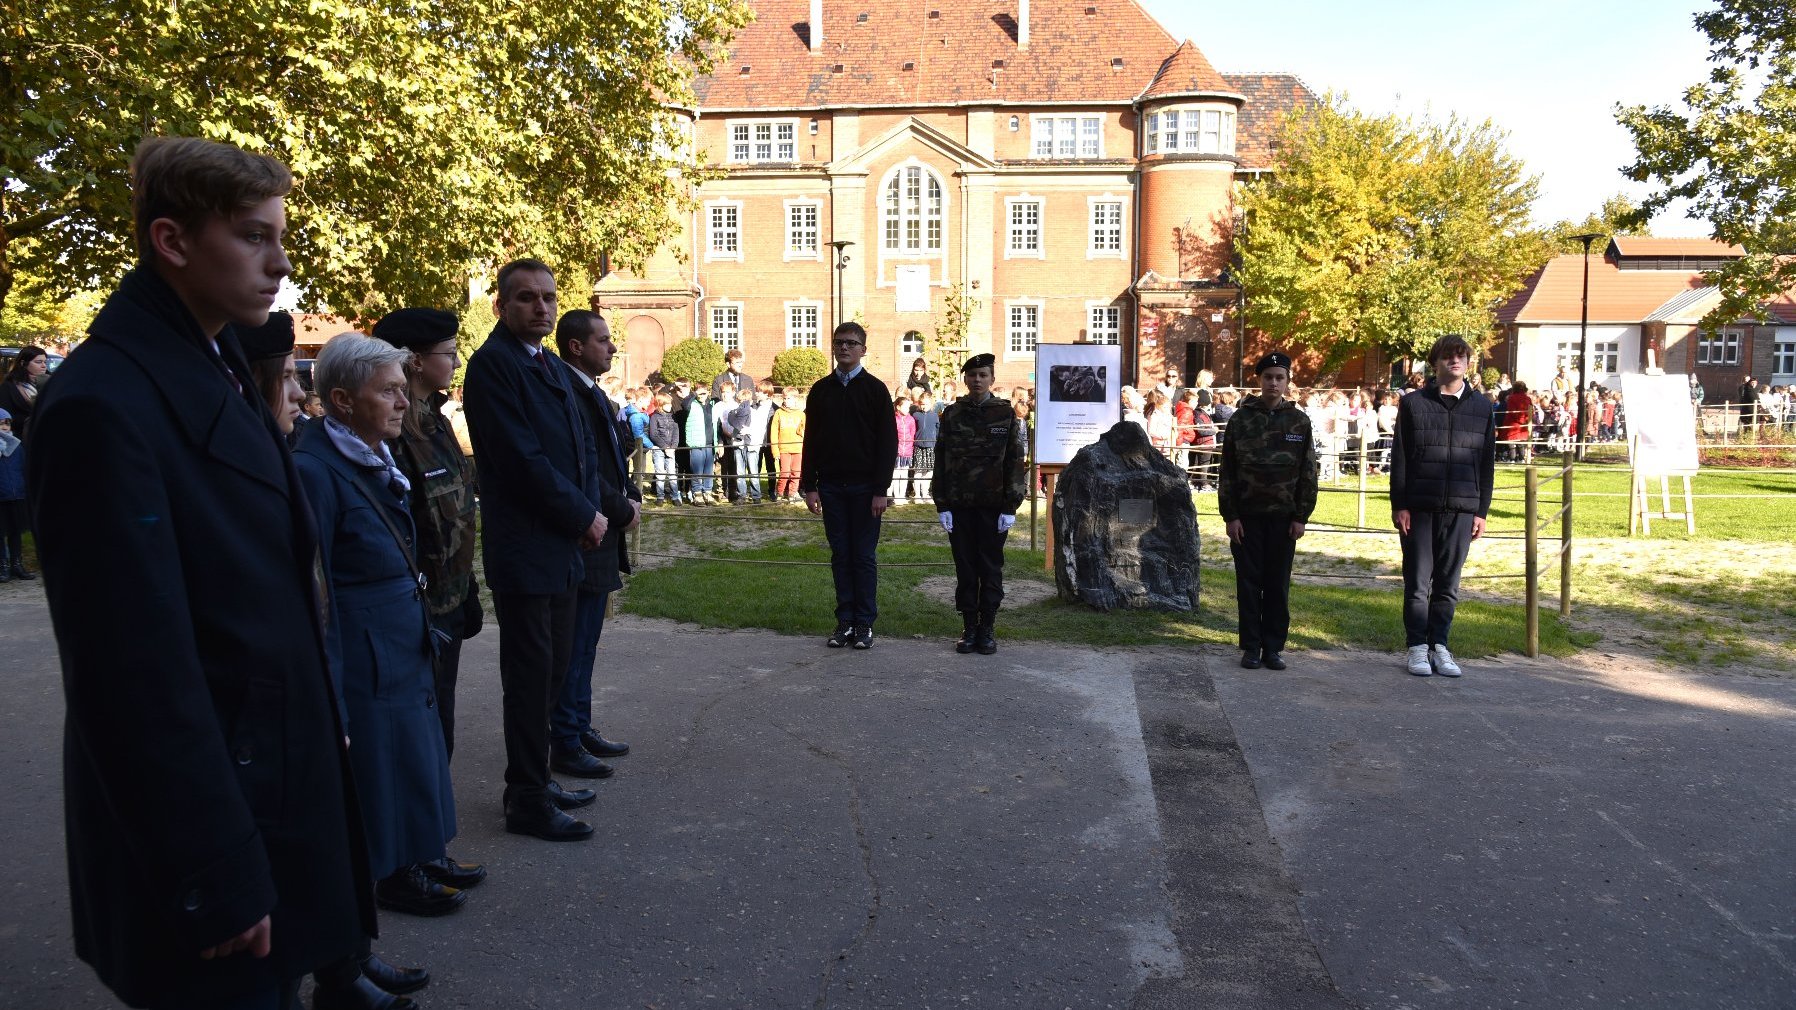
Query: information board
[[1661, 424], [1078, 397]]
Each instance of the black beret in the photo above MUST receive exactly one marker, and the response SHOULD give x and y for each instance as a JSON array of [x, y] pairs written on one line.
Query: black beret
[[979, 361], [272, 339], [417, 329], [1273, 360]]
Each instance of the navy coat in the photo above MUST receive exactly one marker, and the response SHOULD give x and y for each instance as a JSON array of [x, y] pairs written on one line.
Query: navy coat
[[532, 447], [204, 778], [378, 637], [608, 484]]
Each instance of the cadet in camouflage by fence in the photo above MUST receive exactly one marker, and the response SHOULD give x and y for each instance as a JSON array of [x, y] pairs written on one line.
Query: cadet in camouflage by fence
[[981, 476], [1266, 492]]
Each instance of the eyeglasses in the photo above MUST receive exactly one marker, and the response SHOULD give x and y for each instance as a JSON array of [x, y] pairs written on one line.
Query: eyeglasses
[[445, 354], [844, 343]]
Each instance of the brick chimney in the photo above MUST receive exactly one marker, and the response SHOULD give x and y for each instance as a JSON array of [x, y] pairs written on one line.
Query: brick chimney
[[817, 25], [1022, 23]]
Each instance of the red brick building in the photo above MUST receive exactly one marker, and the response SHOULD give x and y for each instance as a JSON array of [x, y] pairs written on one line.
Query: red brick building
[[1066, 163]]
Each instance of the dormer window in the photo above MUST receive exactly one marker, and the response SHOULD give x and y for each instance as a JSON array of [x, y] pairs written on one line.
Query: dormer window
[[763, 140], [1066, 136], [1191, 130]]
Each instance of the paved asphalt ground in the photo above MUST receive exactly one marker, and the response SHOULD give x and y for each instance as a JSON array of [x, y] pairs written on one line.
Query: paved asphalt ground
[[1055, 827]]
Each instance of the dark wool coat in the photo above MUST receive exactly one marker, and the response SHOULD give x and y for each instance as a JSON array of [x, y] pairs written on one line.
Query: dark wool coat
[[204, 777], [1443, 459], [532, 446], [378, 640], [608, 485]]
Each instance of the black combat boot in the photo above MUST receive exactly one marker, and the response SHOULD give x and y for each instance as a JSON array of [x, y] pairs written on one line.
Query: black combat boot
[[969, 633], [987, 642]]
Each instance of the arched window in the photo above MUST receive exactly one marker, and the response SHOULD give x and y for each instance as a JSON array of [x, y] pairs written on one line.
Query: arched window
[[911, 216]]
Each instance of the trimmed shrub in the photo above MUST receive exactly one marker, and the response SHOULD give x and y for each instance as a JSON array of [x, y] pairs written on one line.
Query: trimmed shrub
[[696, 360], [799, 367]]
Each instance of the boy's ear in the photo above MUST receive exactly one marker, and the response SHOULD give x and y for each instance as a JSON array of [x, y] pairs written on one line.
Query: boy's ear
[[171, 242]]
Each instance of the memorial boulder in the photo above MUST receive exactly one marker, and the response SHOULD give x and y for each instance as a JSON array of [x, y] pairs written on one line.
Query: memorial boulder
[[1125, 530]]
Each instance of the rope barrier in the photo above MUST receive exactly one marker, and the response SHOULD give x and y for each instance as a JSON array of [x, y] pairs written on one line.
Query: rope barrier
[[789, 564]]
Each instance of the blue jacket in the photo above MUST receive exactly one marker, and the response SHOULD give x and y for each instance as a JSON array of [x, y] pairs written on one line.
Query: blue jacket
[[378, 639], [532, 447], [12, 468]]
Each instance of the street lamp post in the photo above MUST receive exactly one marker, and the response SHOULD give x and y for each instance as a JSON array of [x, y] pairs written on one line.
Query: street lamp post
[[1583, 411], [841, 248]]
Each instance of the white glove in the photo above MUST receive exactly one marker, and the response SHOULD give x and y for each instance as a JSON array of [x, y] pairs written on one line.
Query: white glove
[[947, 519], [1005, 523]]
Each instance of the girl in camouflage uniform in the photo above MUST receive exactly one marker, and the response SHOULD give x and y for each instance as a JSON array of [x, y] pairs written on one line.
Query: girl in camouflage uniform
[[1266, 492]]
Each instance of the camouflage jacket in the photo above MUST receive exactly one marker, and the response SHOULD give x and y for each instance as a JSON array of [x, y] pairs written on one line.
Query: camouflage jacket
[[1268, 463], [980, 457], [442, 500]]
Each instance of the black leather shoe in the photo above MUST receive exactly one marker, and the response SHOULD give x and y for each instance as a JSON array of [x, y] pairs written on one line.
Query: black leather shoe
[[1250, 660], [452, 873], [544, 821], [863, 638], [843, 634], [358, 995], [1272, 660], [580, 765], [599, 747], [397, 981], [413, 893], [19, 572], [569, 799]]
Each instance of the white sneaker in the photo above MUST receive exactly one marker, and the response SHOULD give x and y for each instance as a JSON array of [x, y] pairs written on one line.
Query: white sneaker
[[1443, 661], [1418, 661]]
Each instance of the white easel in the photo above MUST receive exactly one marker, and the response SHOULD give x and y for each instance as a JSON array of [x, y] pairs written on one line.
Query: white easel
[[1640, 510], [1661, 443]]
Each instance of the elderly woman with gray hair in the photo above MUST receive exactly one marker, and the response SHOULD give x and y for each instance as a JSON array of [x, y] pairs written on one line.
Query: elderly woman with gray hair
[[378, 631]]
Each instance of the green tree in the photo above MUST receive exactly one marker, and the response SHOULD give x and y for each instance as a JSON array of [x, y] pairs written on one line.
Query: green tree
[[799, 367], [1381, 231], [429, 140], [1618, 216], [1728, 149], [694, 359], [947, 348], [36, 314]]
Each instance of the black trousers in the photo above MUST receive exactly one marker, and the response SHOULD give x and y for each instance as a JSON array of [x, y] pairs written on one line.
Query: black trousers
[[536, 641], [853, 534], [1263, 582], [1433, 554], [978, 560], [448, 670]]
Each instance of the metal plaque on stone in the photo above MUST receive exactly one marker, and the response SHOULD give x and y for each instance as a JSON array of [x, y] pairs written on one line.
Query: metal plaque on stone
[[1135, 511]]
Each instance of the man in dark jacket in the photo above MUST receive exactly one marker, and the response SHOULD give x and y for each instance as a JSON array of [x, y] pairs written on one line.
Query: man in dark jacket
[[533, 448], [575, 746], [850, 447], [1443, 462], [215, 855]]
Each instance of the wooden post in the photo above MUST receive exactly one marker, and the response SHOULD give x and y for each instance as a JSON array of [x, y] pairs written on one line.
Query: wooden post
[[1565, 536], [1050, 476], [1532, 539], [1362, 481]]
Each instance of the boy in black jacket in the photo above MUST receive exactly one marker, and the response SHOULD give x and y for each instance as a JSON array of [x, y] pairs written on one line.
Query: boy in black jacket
[[850, 447], [1443, 462]]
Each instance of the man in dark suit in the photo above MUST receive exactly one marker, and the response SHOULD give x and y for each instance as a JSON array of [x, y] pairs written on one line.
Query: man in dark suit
[[215, 856], [575, 747], [534, 450]]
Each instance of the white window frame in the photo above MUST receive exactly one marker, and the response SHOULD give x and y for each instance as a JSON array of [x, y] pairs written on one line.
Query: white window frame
[[725, 325], [714, 233], [1099, 244], [761, 141], [1025, 240], [1103, 323], [1783, 357], [1021, 339], [794, 337], [909, 349], [1565, 355], [1605, 357], [796, 232], [1719, 347], [1190, 129], [926, 211], [1064, 137]]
